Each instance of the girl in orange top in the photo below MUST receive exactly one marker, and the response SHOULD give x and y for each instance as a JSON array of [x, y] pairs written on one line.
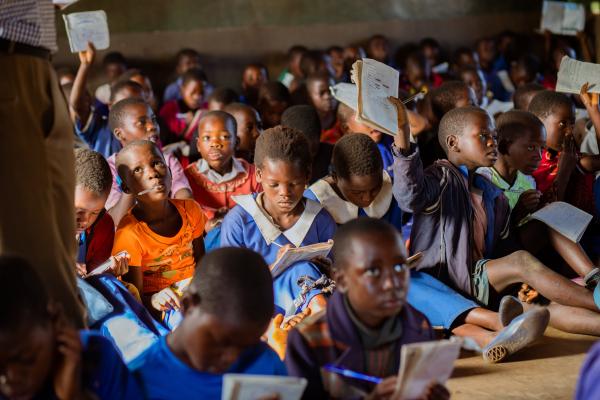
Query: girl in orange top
[[163, 236]]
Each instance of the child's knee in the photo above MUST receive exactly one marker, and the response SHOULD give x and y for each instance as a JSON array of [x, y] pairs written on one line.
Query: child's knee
[[524, 260]]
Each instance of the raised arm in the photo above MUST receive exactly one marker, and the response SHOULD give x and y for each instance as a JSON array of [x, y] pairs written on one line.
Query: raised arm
[[79, 104]]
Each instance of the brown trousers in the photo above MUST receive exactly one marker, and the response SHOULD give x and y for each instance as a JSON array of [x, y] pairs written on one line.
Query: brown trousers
[[37, 218]]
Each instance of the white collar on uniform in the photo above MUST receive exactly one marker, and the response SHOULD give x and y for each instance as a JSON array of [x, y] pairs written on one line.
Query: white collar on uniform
[[214, 176], [267, 228], [343, 211]]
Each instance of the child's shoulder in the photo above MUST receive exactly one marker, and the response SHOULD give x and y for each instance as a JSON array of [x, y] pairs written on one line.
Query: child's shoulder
[[416, 321]]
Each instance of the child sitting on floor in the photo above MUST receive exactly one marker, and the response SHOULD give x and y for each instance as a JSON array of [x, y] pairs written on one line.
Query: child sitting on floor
[[218, 175], [227, 307], [253, 77], [273, 99], [280, 216], [306, 119], [521, 140], [317, 88], [249, 127], [367, 319], [180, 117], [130, 120], [95, 228], [162, 236], [469, 216], [186, 60], [42, 357], [524, 94], [221, 98]]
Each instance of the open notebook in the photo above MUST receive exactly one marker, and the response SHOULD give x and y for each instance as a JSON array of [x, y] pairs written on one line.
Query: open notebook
[[295, 254], [253, 387], [564, 218]]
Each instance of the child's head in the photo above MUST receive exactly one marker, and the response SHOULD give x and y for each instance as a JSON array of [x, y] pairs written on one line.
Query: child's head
[[465, 57], [336, 60], [137, 76], [486, 52], [468, 137], [348, 124], [93, 180], [357, 169], [220, 98], [126, 89], [65, 75], [317, 87], [417, 68], [378, 48], [217, 139], [450, 95], [273, 99], [524, 69], [187, 59], [141, 166], [474, 78], [192, 88], [312, 63], [557, 112], [369, 269], [254, 76], [294, 56], [304, 118], [226, 308], [29, 322], [249, 125], [524, 94], [283, 166], [521, 139], [114, 65], [133, 119], [431, 50]]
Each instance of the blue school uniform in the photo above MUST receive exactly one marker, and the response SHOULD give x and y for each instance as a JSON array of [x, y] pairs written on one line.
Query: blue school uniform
[[383, 207], [246, 225], [164, 376], [385, 150], [441, 304], [97, 134]]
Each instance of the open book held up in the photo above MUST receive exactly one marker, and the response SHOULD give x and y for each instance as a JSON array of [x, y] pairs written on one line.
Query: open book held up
[[84, 27], [295, 254], [572, 74], [252, 387], [564, 218]]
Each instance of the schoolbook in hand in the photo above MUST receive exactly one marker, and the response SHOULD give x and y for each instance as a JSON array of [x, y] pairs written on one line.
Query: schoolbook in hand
[[573, 74], [423, 363], [253, 387], [295, 254], [105, 266], [564, 218], [84, 27]]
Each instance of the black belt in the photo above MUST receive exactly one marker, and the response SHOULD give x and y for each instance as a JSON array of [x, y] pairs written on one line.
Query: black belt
[[10, 47]]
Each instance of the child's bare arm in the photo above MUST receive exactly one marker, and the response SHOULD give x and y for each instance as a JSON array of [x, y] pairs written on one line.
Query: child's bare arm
[[78, 107], [118, 211], [135, 277], [566, 165], [585, 47], [590, 101]]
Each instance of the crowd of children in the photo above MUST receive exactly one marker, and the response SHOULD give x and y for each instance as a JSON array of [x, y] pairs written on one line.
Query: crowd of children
[[183, 208]]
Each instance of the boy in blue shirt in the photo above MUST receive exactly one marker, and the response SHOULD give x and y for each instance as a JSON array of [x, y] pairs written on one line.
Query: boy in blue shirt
[[41, 357], [226, 309]]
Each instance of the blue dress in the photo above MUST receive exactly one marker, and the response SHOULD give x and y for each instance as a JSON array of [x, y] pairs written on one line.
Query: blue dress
[[247, 226]]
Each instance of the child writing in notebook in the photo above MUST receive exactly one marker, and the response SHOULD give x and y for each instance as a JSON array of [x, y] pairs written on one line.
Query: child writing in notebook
[[131, 120], [359, 187], [452, 204], [42, 357], [226, 309], [280, 216], [218, 175], [163, 236], [249, 127], [366, 322]]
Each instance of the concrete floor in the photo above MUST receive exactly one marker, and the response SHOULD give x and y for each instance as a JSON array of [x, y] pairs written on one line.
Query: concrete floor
[[547, 370]]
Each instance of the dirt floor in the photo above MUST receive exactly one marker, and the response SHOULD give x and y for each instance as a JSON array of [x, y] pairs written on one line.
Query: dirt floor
[[547, 370]]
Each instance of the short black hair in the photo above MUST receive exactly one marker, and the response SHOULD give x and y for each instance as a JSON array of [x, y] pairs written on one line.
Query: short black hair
[[514, 124], [234, 283], [223, 95], [455, 121], [233, 107], [531, 64], [544, 103], [118, 111], [296, 49], [444, 97], [429, 42], [24, 296], [460, 52], [114, 57], [194, 74], [356, 154], [273, 91], [284, 144], [331, 49], [187, 52], [362, 226], [92, 172], [305, 119], [309, 63], [228, 120], [123, 84], [522, 92]]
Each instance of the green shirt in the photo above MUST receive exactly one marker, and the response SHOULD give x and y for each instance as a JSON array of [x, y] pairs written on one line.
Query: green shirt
[[512, 192]]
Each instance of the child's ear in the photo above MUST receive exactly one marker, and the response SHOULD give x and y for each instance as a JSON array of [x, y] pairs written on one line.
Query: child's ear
[[118, 132], [340, 280], [258, 175], [122, 185], [452, 143]]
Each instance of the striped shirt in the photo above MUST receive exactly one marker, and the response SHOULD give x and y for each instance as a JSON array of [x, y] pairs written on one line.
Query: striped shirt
[[28, 22]]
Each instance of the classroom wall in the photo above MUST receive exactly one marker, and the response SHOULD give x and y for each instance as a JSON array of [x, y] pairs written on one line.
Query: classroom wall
[[230, 33]]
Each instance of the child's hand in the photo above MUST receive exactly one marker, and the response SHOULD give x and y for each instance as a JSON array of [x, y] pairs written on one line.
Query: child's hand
[[402, 138], [276, 335], [120, 265], [527, 294], [166, 300], [436, 391], [384, 390], [88, 56], [589, 100], [528, 202], [81, 269], [67, 375]]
